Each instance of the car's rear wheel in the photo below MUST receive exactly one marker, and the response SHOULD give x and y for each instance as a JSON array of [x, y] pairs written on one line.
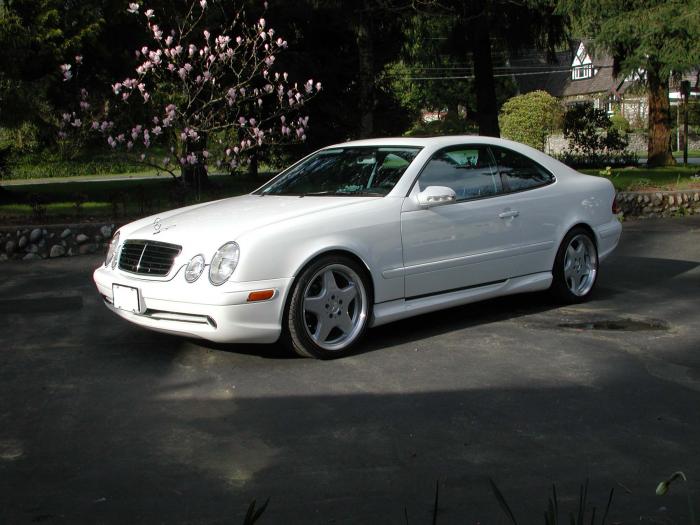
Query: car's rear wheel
[[329, 308], [575, 267]]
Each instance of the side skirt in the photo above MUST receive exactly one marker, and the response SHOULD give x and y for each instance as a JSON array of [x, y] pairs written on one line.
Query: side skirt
[[402, 308]]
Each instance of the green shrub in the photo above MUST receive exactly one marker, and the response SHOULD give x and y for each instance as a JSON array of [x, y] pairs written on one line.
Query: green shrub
[[22, 139], [590, 131], [530, 118], [620, 123]]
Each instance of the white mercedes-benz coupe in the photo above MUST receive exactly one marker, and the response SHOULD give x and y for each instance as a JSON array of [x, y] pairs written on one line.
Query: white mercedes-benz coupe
[[361, 234]]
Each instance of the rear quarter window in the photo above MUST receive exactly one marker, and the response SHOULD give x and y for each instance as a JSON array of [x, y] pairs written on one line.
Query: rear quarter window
[[519, 172]]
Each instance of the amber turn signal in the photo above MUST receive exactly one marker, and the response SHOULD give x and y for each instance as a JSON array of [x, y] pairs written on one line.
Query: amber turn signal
[[260, 295]]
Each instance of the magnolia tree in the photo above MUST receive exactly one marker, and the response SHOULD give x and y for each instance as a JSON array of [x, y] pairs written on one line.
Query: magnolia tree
[[211, 95]]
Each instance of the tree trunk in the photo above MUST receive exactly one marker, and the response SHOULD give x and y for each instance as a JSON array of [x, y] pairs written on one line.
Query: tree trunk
[[195, 175], [365, 77], [253, 165], [659, 147], [486, 105]]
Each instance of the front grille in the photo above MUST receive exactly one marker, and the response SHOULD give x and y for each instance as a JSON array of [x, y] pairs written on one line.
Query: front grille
[[148, 257]]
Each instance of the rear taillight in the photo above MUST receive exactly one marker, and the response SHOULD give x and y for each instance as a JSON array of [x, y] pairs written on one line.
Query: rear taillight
[[615, 206]]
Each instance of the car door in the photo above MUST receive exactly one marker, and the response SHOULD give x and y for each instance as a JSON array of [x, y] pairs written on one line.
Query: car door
[[529, 191], [463, 243]]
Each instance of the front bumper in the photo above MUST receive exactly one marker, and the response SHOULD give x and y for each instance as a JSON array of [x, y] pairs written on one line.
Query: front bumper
[[220, 314]]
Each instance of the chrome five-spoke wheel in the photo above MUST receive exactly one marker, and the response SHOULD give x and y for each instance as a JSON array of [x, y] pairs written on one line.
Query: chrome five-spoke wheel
[[580, 265], [329, 308], [575, 267]]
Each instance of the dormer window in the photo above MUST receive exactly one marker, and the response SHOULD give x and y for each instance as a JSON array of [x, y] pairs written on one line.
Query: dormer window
[[582, 66], [581, 72]]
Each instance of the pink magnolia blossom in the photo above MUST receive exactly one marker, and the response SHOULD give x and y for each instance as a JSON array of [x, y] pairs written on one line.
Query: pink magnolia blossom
[[66, 70], [207, 103]]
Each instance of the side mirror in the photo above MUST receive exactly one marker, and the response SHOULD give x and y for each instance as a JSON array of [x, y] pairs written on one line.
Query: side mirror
[[436, 196]]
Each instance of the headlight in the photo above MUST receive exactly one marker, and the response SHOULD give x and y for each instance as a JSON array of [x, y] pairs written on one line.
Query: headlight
[[224, 263], [194, 268], [112, 250]]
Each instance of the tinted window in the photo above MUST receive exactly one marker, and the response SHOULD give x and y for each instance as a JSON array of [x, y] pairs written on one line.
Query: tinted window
[[519, 172], [468, 170]]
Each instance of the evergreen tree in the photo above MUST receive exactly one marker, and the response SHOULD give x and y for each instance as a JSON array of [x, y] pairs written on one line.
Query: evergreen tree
[[653, 37], [480, 27]]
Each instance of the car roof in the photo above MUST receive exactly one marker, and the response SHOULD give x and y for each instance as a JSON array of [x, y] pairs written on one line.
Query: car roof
[[425, 141]]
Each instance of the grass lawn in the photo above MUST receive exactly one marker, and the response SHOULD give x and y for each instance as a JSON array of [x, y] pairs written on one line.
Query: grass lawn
[[666, 178], [694, 153], [116, 200]]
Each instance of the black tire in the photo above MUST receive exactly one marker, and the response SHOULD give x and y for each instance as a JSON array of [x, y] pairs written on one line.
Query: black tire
[[304, 328], [584, 267]]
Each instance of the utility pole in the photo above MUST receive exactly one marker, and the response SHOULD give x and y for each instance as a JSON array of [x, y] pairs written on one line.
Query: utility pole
[[685, 94]]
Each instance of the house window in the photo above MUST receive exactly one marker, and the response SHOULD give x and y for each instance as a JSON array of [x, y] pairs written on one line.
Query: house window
[[581, 72]]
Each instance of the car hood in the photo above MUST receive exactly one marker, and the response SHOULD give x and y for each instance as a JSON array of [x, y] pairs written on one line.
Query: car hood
[[226, 220]]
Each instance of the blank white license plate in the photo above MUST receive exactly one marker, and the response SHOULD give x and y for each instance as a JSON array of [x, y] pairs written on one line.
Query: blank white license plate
[[126, 298]]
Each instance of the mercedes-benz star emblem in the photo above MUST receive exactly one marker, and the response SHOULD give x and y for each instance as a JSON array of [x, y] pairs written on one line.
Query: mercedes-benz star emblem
[[156, 225]]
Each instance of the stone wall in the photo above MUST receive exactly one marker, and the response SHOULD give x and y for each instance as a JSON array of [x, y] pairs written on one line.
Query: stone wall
[[646, 204], [557, 144], [42, 242]]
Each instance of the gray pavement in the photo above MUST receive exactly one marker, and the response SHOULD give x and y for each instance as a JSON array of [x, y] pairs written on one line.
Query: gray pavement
[[103, 422]]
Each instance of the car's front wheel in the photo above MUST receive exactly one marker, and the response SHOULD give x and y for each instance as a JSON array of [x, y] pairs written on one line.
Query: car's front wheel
[[575, 267], [329, 308]]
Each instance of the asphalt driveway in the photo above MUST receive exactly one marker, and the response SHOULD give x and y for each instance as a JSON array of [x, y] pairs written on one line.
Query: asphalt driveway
[[103, 422]]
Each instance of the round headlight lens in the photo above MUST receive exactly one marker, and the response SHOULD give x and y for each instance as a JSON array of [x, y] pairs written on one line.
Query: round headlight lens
[[112, 250], [194, 268], [224, 263]]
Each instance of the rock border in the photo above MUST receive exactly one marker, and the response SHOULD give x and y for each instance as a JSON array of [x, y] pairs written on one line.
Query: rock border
[[53, 241], [650, 204]]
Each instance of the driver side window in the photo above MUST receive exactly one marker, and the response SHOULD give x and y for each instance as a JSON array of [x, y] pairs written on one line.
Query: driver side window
[[468, 170]]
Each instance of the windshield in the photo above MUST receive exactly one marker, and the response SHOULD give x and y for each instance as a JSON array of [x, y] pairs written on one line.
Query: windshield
[[348, 171]]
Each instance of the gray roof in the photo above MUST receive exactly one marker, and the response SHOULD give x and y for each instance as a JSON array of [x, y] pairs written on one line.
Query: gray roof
[[555, 77]]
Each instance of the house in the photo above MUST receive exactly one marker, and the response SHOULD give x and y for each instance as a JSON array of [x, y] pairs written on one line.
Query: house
[[576, 75]]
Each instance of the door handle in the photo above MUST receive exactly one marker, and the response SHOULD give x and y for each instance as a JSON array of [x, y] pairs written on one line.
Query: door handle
[[508, 214]]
